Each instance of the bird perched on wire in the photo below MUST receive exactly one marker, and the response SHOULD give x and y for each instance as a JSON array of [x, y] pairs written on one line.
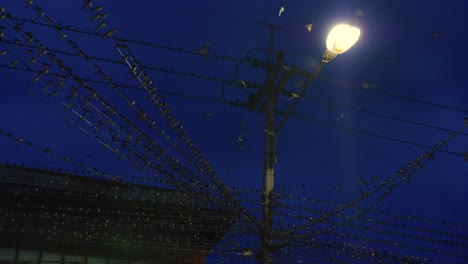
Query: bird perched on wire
[[393, 60], [436, 33], [243, 123], [375, 179], [299, 84], [205, 49], [367, 85], [88, 4], [362, 181]]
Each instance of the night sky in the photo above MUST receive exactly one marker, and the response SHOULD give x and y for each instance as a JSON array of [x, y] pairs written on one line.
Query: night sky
[[400, 89]]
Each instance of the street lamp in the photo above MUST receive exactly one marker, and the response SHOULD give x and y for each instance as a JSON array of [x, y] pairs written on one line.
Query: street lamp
[[340, 39]]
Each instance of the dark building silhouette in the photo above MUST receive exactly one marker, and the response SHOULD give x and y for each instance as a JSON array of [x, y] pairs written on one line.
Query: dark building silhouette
[[53, 217]]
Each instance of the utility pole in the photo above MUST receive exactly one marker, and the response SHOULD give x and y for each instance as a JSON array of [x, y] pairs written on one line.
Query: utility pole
[[269, 156], [270, 91]]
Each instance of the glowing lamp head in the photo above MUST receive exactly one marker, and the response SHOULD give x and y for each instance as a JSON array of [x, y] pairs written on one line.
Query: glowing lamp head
[[342, 37]]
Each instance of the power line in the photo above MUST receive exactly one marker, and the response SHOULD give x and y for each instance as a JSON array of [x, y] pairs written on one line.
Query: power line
[[106, 144], [228, 58], [391, 94], [308, 74], [153, 68], [228, 82], [70, 76], [141, 42], [365, 111], [88, 80], [242, 104], [311, 120]]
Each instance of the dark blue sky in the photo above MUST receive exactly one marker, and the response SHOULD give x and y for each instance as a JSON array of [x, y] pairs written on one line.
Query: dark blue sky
[[407, 49]]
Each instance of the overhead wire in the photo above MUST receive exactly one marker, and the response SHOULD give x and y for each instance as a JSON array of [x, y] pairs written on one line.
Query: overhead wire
[[192, 154], [315, 99], [121, 39], [365, 111], [257, 63], [98, 69], [67, 159], [389, 184], [96, 138], [235, 103], [308, 74], [153, 68]]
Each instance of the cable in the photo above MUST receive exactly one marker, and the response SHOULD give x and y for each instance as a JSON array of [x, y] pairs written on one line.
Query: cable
[[315, 99], [153, 68], [301, 94], [195, 158], [381, 91], [87, 57], [302, 73], [102, 143], [281, 113], [140, 42], [402, 175], [365, 111], [311, 120]]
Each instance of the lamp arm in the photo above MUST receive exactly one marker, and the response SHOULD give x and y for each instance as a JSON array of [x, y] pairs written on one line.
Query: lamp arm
[[301, 94], [328, 55]]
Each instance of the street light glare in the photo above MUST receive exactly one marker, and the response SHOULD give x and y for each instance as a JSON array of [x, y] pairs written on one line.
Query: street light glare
[[342, 37]]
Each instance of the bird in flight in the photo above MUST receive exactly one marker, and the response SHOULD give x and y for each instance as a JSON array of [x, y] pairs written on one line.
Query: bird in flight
[[207, 115], [341, 116], [241, 141], [294, 96], [281, 11]]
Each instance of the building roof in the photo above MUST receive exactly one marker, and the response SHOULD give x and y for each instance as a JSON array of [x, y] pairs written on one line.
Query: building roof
[[82, 215]]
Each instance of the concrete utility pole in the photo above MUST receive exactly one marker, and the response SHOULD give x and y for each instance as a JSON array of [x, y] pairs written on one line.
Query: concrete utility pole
[[270, 155], [270, 91]]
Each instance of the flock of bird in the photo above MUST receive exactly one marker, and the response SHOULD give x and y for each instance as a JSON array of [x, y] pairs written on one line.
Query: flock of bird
[[97, 114], [98, 16], [112, 130]]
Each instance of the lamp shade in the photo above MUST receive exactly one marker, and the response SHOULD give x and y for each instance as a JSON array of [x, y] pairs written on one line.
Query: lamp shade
[[342, 37]]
